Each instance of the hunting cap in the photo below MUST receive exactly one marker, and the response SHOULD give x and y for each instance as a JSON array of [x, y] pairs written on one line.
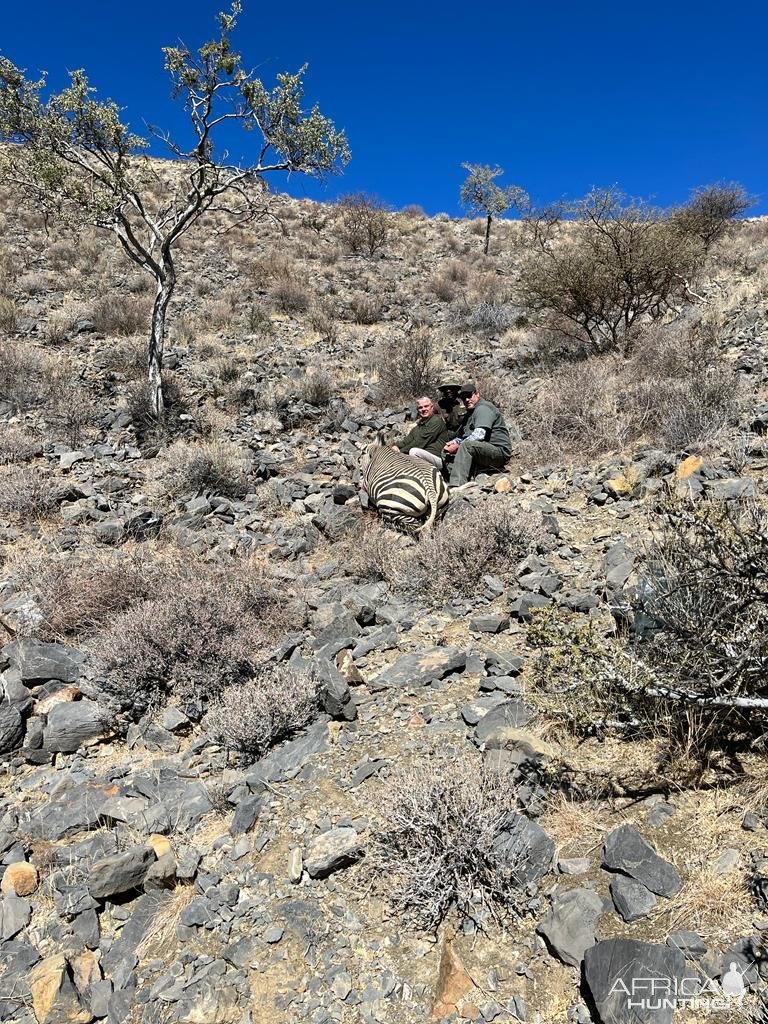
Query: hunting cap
[[468, 388], [450, 379]]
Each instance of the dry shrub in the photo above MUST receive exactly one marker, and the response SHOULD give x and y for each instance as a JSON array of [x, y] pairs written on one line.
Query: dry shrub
[[258, 322], [366, 309], [490, 318], [227, 369], [138, 404], [27, 495], [61, 322], [407, 367], [681, 390], [676, 390], [323, 320], [363, 224], [120, 315], [443, 286], [218, 315], [251, 717], [128, 356], [75, 594], [70, 407], [688, 661], [203, 630], [215, 467], [317, 388], [22, 377], [290, 296], [9, 315], [491, 538], [18, 446], [185, 330], [438, 843]]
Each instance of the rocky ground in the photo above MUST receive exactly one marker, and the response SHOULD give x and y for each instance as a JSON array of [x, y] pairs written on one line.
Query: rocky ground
[[147, 876]]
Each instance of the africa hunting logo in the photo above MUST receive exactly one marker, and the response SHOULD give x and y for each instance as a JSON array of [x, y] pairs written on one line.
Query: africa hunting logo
[[658, 993]]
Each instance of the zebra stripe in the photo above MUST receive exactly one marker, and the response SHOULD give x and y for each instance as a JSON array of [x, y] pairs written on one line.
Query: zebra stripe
[[407, 493]]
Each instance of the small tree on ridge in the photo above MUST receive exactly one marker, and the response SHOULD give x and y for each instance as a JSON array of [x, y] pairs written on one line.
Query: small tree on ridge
[[484, 198]]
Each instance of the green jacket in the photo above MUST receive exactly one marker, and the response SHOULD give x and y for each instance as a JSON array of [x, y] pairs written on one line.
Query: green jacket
[[485, 423], [431, 435]]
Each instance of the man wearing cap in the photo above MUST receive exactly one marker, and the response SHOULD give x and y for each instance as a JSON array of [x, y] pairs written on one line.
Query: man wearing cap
[[450, 406], [482, 442], [427, 439]]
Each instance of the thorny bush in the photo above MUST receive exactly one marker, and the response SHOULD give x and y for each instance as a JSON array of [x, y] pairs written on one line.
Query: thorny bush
[[439, 844], [689, 660]]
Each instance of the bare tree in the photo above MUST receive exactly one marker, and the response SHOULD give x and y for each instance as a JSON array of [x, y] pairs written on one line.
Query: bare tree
[[363, 223], [599, 267], [71, 155], [710, 210], [484, 198]]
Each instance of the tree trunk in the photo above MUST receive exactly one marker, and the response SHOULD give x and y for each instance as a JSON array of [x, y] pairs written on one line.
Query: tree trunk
[[165, 286], [487, 234]]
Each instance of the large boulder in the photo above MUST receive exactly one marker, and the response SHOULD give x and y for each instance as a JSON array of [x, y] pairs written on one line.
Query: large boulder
[[626, 850], [120, 873], [54, 995], [72, 724], [569, 927], [37, 663], [632, 982]]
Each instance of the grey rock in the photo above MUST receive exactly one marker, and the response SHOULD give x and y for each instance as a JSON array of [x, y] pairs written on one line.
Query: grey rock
[[120, 873], [36, 662], [161, 874], [512, 714], [71, 900], [415, 670], [246, 813], [615, 967], [332, 850], [690, 943], [631, 899], [627, 851], [569, 927], [524, 846], [522, 607], [476, 709], [78, 809], [341, 984], [574, 865], [15, 914], [11, 729], [71, 724], [731, 490], [290, 757], [489, 623]]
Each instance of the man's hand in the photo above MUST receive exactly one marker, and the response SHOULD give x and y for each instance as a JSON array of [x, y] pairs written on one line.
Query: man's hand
[[451, 448], [395, 448]]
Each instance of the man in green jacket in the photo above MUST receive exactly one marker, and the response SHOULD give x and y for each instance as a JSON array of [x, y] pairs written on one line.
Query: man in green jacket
[[428, 437], [482, 443]]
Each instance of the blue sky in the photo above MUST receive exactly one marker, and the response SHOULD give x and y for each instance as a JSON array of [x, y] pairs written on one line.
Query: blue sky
[[657, 98]]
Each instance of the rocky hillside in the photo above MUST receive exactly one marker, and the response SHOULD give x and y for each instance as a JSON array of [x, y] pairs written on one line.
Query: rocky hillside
[[264, 761]]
